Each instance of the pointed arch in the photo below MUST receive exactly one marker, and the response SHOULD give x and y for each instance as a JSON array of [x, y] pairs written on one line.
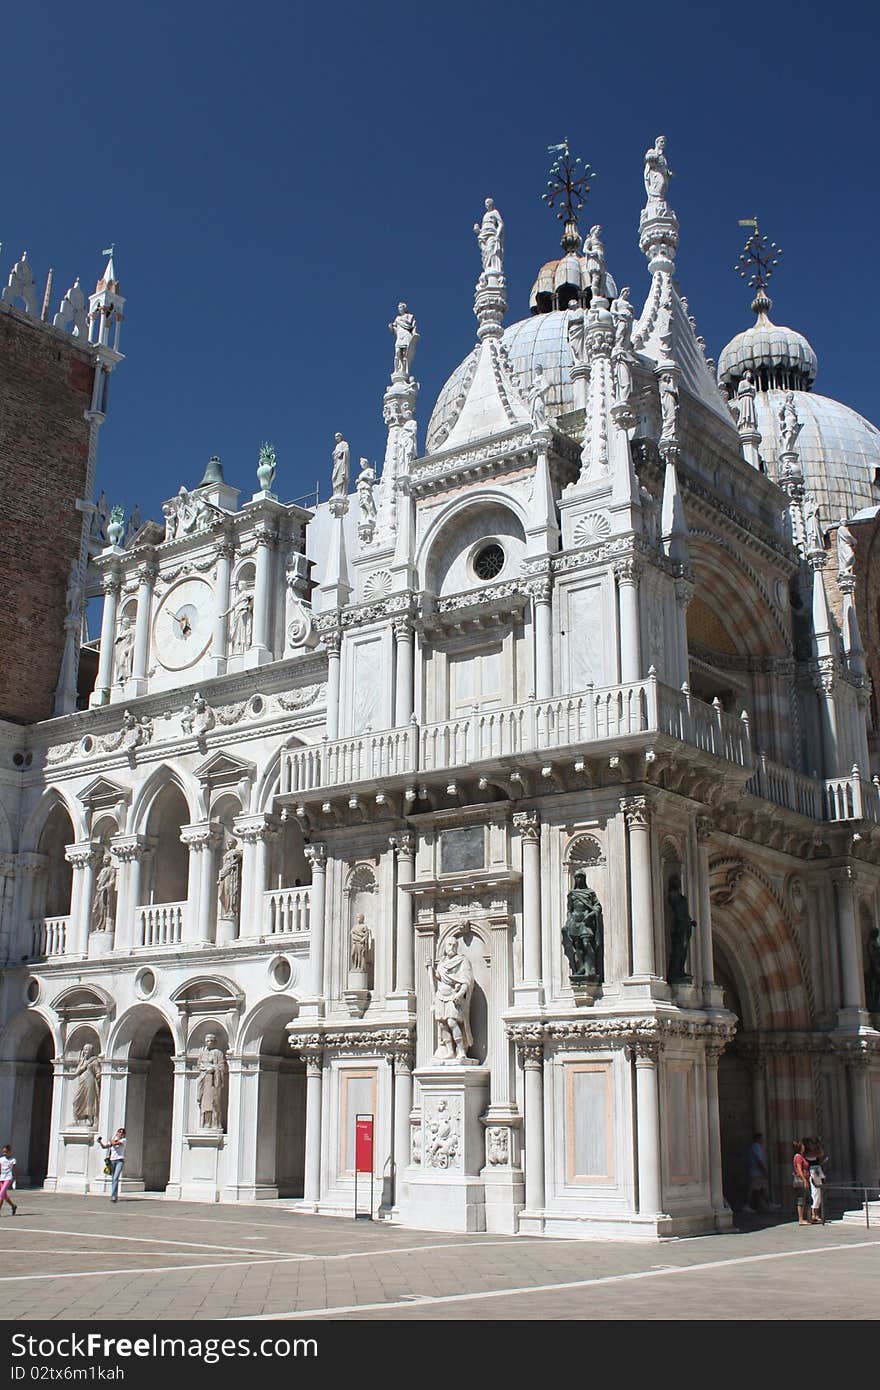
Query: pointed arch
[[158, 780], [34, 825]]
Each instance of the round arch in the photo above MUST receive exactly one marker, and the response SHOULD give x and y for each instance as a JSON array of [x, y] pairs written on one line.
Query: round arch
[[470, 516], [736, 595]]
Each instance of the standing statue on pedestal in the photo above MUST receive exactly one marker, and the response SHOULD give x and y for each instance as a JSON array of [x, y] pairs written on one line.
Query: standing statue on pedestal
[[453, 977], [574, 330], [657, 176], [242, 614], [538, 399], [872, 979], [405, 338], [229, 882], [359, 943], [364, 488], [789, 424], [594, 258], [582, 934], [87, 1095], [746, 419], [105, 888], [668, 406], [341, 459], [124, 650], [212, 1079], [490, 236], [815, 540], [680, 933], [846, 551]]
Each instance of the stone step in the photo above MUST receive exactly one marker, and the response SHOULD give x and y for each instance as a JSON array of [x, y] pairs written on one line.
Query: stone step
[[857, 1217]]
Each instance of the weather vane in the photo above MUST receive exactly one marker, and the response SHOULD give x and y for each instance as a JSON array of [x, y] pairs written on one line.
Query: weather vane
[[758, 259], [569, 184]]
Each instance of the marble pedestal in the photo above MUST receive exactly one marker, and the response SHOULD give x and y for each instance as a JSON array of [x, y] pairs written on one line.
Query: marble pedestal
[[443, 1191], [201, 1179]]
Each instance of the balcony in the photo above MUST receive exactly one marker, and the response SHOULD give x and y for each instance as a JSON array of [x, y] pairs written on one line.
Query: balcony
[[835, 799], [49, 937], [159, 924], [287, 911], [539, 727]]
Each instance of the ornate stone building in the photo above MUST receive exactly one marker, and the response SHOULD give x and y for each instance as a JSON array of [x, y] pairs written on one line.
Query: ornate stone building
[[522, 797]]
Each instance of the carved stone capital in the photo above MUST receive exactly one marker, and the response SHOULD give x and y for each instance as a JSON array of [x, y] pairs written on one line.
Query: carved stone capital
[[528, 823], [627, 570], [644, 1050], [404, 843], [637, 810], [112, 584], [203, 835], [528, 1040], [403, 630], [252, 829], [704, 827], [126, 848], [332, 641], [224, 550], [541, 590], [403, 1060], [84, 854], [316, 856], [265, 534], [146, 572]]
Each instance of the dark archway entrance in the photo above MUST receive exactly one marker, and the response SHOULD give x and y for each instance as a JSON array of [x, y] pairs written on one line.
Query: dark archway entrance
[[158, 1107], [735, 1098], [41, 1113]]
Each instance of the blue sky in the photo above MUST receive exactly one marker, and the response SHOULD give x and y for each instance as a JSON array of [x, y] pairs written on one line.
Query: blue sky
[[276, 176]]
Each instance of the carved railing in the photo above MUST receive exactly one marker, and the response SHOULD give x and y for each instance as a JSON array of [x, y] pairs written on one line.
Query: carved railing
[[537, 726], [785, 787], [851, 798], [49, 937], [160, 924], [287, 911]]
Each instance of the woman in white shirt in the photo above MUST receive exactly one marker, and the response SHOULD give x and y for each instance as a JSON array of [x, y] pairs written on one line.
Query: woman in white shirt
[[7, 1176], [116, 1156]]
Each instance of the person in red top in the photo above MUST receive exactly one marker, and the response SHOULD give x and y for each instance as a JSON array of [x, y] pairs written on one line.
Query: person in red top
[[801, 1180]]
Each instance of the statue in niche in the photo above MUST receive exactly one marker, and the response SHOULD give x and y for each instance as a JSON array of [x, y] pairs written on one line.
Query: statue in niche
[[538, 399], [490, 237], [211, 1065], [364, 488], [746, 419], [341, 458], [623, 314], [105, 889], [229, 882], [846, 551], [668, 406], [583, 932], [242, 614], [124, 650], [574, 328], [657, 176], [812, 524], [359, 943], [87, 1094], [789, 424], [405, 448], [453, 977], [872, 979], [594, 258], [405, 338], [680, 933]]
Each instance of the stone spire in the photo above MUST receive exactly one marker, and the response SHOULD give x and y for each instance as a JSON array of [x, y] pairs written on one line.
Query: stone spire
[[399, 414], [72, 312], [20, 289], [490, 297], [105, 308]]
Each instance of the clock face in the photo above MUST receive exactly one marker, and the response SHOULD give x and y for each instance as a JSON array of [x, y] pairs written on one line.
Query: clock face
[[182, 626]]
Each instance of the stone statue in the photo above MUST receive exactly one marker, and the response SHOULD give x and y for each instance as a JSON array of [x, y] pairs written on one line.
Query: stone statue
[[846, 551], [537, 397], [623, 314], [441, 1137], [364, 488], [124, 650], [266, 465], [359, 943], [105, 888], [341, 457], [789, 424], [87, 1095], [405, 338], [657, 176], [134, 732], [211, 1065], [747, 420], [668, 406], [73, 594], [594, 257], [453, 977], [490, 236], [582, 934], [170, 513], [198, 718], [812, 525], [681, 930], [575, 328], [872, 979], [242, 614], [229, 882], [405, 448]]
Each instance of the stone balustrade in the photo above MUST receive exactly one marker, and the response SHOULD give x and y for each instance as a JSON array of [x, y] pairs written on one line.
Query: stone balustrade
[[49, 937], [287, 911], [159, 924]]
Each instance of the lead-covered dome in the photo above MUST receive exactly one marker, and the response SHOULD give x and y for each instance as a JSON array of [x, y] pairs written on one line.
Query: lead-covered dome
[[778, 358], [839, 450]]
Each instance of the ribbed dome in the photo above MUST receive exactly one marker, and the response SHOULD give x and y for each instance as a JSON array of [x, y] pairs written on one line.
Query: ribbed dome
[[541, 340], [839, 450], [561, 281], [778, 357]]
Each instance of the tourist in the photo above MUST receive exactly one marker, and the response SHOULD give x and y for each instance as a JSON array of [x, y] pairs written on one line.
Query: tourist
[[757, 1191], [815, 1158], [116, 1158], [801, 1180], [7, 1177]]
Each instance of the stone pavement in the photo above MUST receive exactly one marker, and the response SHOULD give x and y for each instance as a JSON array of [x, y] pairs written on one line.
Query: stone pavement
[[82, 1258]]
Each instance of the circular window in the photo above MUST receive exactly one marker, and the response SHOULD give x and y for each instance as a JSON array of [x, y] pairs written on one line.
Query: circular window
[[145, 983], [32, 991], [281, 973], [86, 744], [489, 561], [18, 759]]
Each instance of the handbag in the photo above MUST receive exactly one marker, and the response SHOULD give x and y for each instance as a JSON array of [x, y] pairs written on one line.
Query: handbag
[[107, 1169]]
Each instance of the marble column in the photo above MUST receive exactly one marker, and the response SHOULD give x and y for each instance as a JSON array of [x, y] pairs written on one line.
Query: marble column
[[627, 572], [112, 589], [266, 538], [146, 579], [703, 830], [85, 856], [220, 635], [316, 856], [646, 1056], [543, 592], [130, 853], [403, 1104], [30, 870], [405, 846], [641, 892], [866, 1162], [254, 833], [403, 688], [333, 644], [531, 1051], [314, 1104], [201, 839], [528, 825], [851, 966], [716, 1187]]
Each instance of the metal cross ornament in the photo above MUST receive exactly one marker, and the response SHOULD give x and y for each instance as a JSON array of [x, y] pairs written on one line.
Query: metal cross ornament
[[759, 257]]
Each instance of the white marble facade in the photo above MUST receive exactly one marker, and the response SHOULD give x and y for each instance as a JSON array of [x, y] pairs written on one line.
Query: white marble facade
[[587, 632]]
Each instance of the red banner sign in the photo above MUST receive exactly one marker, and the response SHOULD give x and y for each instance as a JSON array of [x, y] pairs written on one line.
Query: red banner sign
[[363, 1144]]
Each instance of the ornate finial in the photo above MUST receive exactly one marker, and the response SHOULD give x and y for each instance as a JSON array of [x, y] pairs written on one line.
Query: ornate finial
[[266, 467], [116, 525], [758, 260], [569, 184]]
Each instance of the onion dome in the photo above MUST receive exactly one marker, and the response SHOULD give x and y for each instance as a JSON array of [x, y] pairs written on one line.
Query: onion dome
[[778, 358]]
